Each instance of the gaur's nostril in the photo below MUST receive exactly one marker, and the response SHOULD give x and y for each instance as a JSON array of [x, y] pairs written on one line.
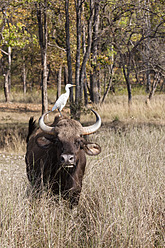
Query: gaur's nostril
[[71, 158], [63, 158]]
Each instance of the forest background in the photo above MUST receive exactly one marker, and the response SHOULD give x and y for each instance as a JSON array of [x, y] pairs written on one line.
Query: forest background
[[99, 46]]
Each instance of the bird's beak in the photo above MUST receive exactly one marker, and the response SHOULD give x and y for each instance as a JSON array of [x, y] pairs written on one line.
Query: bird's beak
[[73, 85]]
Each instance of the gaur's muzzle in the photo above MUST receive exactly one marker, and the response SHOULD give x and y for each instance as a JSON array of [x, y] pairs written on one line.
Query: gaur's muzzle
[[67, 160]]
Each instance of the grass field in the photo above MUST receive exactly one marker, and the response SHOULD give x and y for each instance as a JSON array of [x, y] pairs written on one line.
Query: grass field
[[122, 201]]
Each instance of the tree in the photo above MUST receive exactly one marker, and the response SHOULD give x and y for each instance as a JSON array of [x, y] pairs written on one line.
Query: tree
[[95, 39], [80, 69], [15, 39], [69, 62], [94, 79], [7, 71], [125, 26], [42, 27], [156, 66]]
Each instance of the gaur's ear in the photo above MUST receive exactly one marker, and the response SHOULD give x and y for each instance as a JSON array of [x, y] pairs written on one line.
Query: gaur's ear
[[92, 149], [43, 142]]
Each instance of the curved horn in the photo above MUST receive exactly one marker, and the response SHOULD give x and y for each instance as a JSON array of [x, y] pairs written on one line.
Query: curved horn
[[93, 128], [43, 126]]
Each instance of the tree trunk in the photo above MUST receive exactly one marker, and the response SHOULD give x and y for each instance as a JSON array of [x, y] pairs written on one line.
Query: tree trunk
[[126, 72], [44, 84], [88, 50], [6, 87], [84, 51], [69, 62], [59, 82], [31, 83], [85, 91], [106, 91], [94, 84], [154, 85], [148, 79], [77, 72], [127, 79], [147, 47], [9, 67], [24, 76], [65, 75], [163, 84], [7, 76], [42, 25], [129, 91]]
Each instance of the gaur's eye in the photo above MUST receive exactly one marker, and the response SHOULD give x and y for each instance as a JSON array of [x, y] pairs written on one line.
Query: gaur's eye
[[79, 143], [53, 140]]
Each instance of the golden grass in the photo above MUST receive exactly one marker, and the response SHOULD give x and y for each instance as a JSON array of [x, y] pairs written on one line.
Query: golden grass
[[33, 96], [116, 108], [121, 205], [13, 143], [122, 200]]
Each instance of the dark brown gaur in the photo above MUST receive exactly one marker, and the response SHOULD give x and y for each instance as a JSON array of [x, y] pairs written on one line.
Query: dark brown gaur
[[55, 156]]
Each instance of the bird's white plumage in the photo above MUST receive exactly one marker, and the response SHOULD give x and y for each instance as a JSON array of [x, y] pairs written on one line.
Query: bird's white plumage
[[62, 100]]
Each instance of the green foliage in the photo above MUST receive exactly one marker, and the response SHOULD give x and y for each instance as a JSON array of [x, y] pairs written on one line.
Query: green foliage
[[122, 30], [16, 35], [11, 36]]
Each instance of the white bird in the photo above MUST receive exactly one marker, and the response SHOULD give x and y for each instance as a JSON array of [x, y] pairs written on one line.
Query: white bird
[[62, 100]]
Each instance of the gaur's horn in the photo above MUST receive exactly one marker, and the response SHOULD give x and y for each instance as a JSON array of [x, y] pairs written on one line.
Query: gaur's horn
[[93, 128], [85, 130], [43, 126]]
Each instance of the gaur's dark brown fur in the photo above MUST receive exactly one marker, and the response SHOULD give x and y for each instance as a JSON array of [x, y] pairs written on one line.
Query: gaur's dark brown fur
[[58, 161]]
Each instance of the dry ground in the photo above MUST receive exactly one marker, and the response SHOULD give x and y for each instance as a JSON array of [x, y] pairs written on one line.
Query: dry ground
[[14, 113]]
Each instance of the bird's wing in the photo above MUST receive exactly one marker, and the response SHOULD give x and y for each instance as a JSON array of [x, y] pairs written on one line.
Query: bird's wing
[[60, 103], [54, 107]]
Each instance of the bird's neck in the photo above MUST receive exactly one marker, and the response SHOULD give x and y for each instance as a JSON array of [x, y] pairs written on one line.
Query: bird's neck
[[67, 91]]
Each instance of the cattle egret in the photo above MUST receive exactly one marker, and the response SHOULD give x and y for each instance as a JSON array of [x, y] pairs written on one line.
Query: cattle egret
[[61, 101]]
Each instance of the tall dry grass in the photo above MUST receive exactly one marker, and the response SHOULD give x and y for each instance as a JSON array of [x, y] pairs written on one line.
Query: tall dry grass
[[13, 143], [32, 96], [116, 108], [121, 205]]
